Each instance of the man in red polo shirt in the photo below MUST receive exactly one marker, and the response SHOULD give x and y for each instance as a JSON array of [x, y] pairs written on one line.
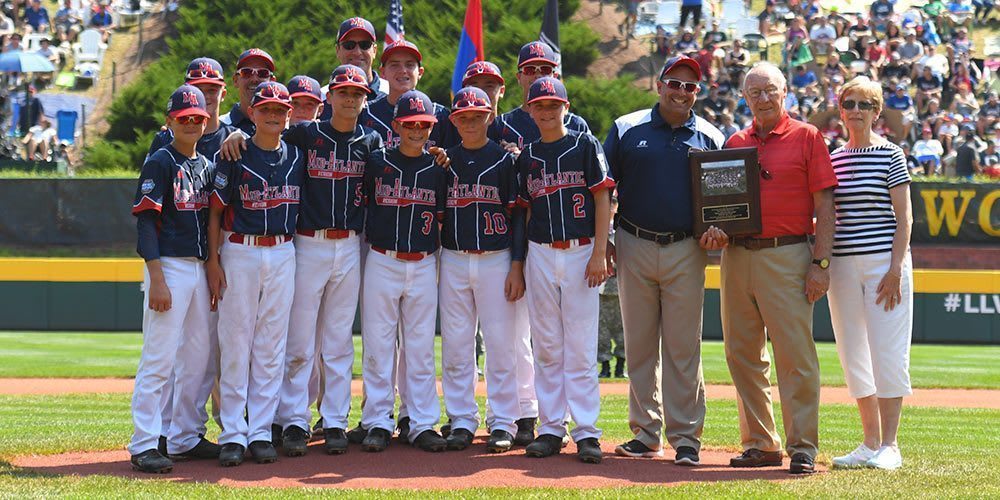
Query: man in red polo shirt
[[771, 280]]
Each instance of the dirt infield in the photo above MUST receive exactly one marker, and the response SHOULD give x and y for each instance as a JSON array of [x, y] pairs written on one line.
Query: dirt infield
[[952, 398], [472, 468]]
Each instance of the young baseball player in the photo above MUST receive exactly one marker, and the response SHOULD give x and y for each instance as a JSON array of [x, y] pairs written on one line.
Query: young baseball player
[[564, 184], [254, 207], [405, 193], [307, 102], [481, 276], [486, 76], [171, 205]]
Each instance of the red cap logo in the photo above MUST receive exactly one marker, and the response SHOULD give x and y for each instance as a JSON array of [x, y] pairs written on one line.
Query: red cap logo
[[417, 105], [255, 52], [547, 87], [536, 50], [305, 85], [189, 98], [357, 22]]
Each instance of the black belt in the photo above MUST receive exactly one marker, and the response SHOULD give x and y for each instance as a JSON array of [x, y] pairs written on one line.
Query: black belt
[[762, 243], [658, 238]]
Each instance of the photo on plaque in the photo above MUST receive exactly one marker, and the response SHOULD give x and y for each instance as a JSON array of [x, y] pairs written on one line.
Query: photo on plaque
[[726, 191], [719, 178]]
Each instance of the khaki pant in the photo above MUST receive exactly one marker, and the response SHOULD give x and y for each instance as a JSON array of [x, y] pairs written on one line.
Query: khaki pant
[[765, 289], [662, 290]]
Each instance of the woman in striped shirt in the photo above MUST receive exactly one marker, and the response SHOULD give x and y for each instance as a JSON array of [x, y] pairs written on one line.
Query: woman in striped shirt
[[871, 279]]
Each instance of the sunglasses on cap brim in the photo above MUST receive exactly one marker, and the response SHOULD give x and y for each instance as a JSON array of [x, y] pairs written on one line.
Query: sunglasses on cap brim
[[262, 73]]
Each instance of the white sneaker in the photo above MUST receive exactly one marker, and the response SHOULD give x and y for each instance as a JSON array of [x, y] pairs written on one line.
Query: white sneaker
[[886, 458], [857, 458]]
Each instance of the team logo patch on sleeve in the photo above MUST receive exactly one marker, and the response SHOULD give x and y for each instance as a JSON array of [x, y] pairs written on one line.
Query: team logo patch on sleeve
[[147, 186], [220, 180]]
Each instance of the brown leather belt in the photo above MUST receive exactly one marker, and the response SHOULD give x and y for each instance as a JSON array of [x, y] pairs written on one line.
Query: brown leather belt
[[761, 243], [329, 234]]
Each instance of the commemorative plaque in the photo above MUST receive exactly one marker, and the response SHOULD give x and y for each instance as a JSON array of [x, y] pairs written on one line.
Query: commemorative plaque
[[725, 188]]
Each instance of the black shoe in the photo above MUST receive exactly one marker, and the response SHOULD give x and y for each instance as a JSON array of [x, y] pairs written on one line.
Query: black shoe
[[605, 369], [263, 452], [637, 449], [802, 464], [620, 368], [161, 445], [686, 455], [430, 440], [357, 435], [756, 458], [589, 451], [499, 441], [276, 435], [376, 440], [317, 430], [152, 461], [231, 454], [446, 429], [336, 441], [460, 439], [403, 429], [203, 450], [543, 446], [295, 440], [525, 431]]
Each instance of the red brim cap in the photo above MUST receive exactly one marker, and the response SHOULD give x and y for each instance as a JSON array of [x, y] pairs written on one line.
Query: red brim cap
[[200, 81], [538, 59], [683, 61], [548, 98], [305, 94], [417, 118], [465, 81], [266, 101], [267, 62], [414, 52], [188, 112], [467, 110]]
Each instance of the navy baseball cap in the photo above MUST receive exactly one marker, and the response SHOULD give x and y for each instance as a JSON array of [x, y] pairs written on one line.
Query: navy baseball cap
[[304, 86], [471, 99], [268, 92], [204, 70], [481, 68], [349, 75], [537, 51], [678, 61], [258, 54], [185, 101], [414, 106], [547, 88], [401, 45], [355, 23]]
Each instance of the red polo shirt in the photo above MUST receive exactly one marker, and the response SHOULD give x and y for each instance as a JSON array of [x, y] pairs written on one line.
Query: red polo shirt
[[798, 163]]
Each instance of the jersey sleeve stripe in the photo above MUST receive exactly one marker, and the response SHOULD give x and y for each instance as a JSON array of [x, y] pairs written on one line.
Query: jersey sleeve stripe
[[146, 203], [606, 183], [216, 200]]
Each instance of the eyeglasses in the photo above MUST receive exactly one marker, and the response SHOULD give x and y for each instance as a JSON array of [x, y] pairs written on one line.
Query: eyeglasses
[[191, 119], [262, 73], [531, 70], [416, 125], [353, 44], [689, 87], [768, 93], [195, 74], [862, 105]]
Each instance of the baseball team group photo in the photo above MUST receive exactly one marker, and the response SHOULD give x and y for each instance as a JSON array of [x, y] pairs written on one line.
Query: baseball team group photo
[[549, 248]]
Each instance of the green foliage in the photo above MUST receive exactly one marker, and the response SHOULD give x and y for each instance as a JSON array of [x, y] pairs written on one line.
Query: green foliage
[[600, 102]]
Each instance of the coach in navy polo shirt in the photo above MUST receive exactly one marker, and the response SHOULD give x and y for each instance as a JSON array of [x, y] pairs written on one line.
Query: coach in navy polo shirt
[[661, 267]]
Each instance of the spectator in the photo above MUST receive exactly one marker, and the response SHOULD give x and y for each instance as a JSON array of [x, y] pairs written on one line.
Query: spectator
[[103, 21], [876, 55], [45, 50], [36, 17], [716, 103], [932, 116], [662, 41], [967, 153], [989, 113], [893, 36], [68, 22], [990, 157], [803, 78], [834, 67], [31, 112], [691, 8], [960, 13], [686, 43], [706, 59], [767, 20], [726, 125], [911, 50], [983, 8], [964, 103], [912, 165], [928, 152], [834, 133], [880, 12], [902, 102], [895, 69], [631, 15], [929, 86], [736, 61], [6, 25], [822, 35], [947, 131], [795, 38], [38, 140], [715, 36], [810, 101], [960, 43]]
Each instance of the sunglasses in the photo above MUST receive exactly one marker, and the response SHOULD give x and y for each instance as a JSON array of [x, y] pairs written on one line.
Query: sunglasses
[[191, 120], [416, 125], [349, 77], [862, 105], [273, 92], [689, 87], [196, 74], [262, 73], [353, 44], [472, 103], [531, 70]]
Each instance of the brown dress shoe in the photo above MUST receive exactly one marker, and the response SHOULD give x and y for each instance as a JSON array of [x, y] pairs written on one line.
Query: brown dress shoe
[[757, 458]]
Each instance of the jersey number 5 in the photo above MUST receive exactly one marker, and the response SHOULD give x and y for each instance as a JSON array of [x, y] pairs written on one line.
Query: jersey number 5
[[496, 223], [428, 220], [578, 201]]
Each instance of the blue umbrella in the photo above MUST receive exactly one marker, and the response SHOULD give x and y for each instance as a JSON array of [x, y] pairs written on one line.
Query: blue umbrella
[[25, 62]]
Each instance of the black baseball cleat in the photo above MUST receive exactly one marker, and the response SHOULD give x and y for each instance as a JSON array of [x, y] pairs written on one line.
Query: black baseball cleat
[[357, 435], [295, 440], [317, 430], [336, 441], [686, 455], [430, 440], [756, 458], [543, 446], [231, 454], [152, 462], [605, 370], [459, 439], [377, 440], [588, 450], [276, 435], [500, 441], [263, 452], [802, 464], [525, 431], [205, 449], [620, 368], [446, 429], [403, 429]]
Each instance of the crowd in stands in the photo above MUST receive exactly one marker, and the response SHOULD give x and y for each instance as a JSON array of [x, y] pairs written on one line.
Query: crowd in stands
[[941, 101], [53, 34]]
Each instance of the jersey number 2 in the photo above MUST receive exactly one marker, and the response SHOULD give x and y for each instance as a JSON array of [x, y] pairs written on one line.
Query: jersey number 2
[[496, 223], [428, 220], [578, 201]]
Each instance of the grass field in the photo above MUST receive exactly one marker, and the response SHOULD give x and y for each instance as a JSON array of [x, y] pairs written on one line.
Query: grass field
[[74, 355], [949, 453]]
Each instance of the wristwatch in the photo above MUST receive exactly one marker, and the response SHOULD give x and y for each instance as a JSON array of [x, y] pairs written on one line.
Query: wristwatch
[[822, 263]]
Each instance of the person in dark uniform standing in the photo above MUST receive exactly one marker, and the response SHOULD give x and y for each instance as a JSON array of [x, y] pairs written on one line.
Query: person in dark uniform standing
[[253, 68]]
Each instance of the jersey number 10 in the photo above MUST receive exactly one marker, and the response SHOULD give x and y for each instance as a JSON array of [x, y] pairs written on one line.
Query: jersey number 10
[[496, 223]]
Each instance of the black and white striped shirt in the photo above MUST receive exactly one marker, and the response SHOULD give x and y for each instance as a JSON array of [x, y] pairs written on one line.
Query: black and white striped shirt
[[866, 222]]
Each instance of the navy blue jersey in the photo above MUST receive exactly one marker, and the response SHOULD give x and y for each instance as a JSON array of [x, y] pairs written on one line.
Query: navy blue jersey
[[335, 164], [405, 199], [177, 188], [557, 181], [209, 144], [378, 116], [237, 118], [482, 192], [517, 127], [260, 191]]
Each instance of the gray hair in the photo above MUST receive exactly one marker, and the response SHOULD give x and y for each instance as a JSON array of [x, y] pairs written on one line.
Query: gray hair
[[765, 68]]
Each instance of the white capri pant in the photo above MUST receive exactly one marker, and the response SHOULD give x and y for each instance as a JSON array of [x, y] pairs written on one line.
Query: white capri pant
[[874, 345]]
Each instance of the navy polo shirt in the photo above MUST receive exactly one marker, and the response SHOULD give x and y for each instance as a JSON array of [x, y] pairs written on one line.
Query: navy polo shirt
[[260, 191], [378, 116], [517, 127], [209, 144], [236, 118], [405, 197], [649, 162]]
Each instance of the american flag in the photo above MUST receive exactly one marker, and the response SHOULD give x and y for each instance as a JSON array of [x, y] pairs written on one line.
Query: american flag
[[394, 31]]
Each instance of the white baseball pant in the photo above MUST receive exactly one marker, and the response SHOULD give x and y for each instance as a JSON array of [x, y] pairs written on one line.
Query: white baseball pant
[[471, 286], [327, 278], [253, 327], [399, 292], [173, 343], [196, 396], [563, 312]]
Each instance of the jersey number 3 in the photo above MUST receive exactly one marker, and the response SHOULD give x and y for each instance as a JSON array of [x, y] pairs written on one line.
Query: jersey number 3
[[428, 220], [578, 201], [496, 223]]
